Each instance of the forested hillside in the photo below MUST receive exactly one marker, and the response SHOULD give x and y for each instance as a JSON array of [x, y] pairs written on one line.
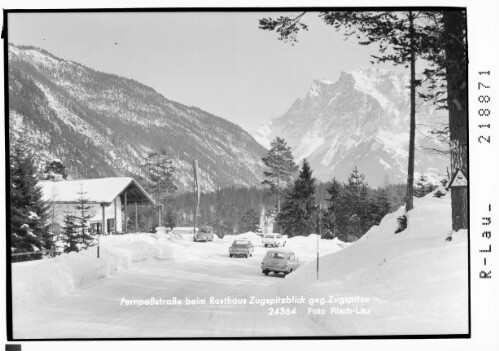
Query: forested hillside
[[101, 125]]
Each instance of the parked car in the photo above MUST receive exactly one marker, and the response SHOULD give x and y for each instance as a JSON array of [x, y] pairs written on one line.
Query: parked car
[[241, 248], [204, 234], [272, 239], [280, 261]]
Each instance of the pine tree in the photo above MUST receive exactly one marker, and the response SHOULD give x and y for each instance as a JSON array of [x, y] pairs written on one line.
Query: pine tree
[[280, 168], [160, 175], [354, 201], [384, 202], [298, 215], [355, 225], [218, 208], [332, 217], [250, 221], [218, 218], [355, 191], [54, 170], [423, 186], [379, 206], [71, 236], [28, 220], [171, 218], [84, 215]]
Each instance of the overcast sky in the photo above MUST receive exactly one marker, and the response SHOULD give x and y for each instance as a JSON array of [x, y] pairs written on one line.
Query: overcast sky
[[220, 62]]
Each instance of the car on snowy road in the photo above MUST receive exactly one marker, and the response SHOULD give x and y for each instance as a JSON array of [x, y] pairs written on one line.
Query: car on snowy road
[[241, 248], [280, 261], [272, 239], [204, 234]]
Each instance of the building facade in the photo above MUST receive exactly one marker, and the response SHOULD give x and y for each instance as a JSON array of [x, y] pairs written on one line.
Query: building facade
[[112, 202]]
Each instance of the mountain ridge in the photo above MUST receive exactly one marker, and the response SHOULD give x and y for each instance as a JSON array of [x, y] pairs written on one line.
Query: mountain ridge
[[101, 124]]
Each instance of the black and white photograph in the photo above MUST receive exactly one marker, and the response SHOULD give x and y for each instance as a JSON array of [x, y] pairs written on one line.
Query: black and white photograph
[[241, 173]]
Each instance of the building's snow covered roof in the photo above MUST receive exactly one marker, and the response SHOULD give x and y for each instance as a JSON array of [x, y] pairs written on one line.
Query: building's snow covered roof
[[97, 190]]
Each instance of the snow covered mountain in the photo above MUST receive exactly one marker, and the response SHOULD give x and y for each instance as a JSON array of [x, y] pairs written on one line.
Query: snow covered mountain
[[360, 120], [103, 125]]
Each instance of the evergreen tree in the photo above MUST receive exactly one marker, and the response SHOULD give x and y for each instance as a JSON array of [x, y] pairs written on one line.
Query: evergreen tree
[[218, 208], [354, 207], [171, 218], [280, 168], [383, 201], [355, 192], [250, 221], [160, 173], [55, 170], [219, 217], [355, 226], [423, 186], [28, 219], [354, 202], [379, 206], [332, 217], [84, 215], [71, 236], [160, 176], [298, 215]]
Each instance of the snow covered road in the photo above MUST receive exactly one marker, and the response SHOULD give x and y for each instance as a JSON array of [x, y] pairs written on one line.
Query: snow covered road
[[101, 310], [414, 282]]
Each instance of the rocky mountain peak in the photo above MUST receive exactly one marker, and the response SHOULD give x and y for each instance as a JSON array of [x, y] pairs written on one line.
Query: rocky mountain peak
[[361, 119]]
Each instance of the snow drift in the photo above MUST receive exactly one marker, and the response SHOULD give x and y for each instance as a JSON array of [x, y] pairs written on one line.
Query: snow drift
[[39, 282], [255, 239], [306, 246], [416, 282]]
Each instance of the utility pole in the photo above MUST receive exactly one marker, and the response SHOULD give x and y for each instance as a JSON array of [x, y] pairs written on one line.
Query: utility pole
[[319, 236], [319, 224], [196, 192]]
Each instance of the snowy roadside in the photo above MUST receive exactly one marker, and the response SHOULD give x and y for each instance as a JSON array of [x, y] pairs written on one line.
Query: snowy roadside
[[414, 282], [36, 283]]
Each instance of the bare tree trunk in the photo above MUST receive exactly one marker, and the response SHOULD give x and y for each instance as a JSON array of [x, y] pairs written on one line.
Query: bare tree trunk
[[457, 101], [409, 205]]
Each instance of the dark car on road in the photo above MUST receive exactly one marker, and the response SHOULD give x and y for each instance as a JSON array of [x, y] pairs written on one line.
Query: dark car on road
[[241, 248], [204, 234]]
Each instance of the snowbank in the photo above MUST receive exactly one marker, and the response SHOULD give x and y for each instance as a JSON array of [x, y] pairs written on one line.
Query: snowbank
[[186, 233], [307, 245], [255, 239], [38, 282], [416, 281]]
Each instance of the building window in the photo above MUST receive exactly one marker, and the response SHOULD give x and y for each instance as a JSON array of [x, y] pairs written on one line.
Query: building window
[[95, 228]]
